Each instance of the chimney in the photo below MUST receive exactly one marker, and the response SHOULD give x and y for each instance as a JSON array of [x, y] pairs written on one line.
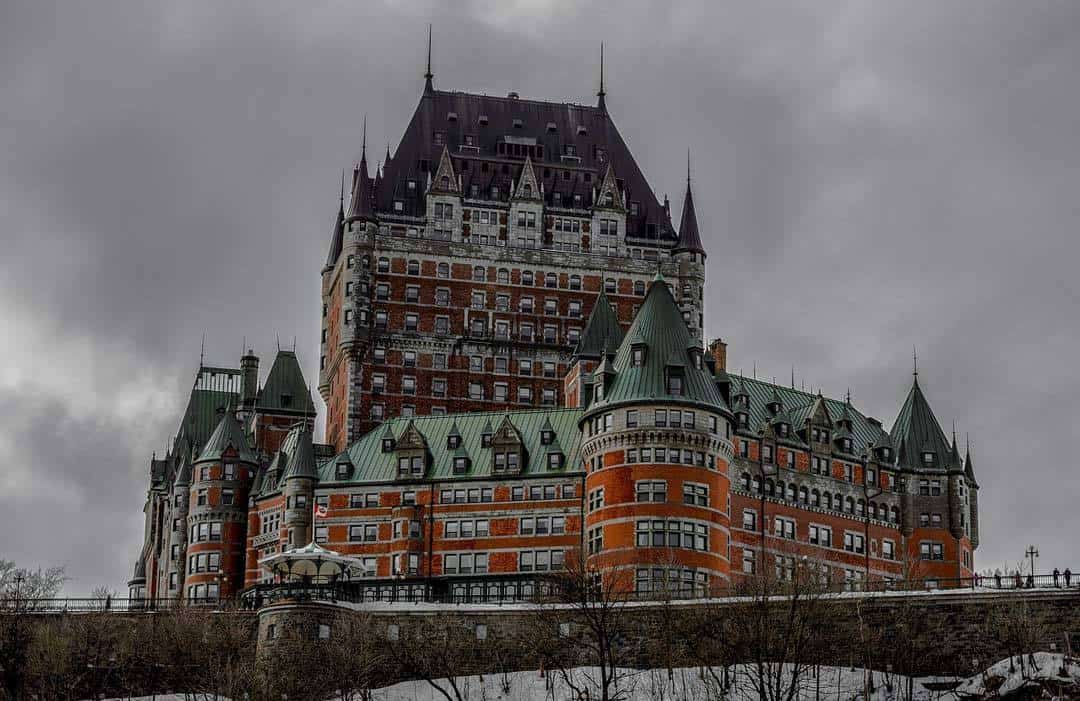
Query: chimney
[[249, 378], [719, 353]]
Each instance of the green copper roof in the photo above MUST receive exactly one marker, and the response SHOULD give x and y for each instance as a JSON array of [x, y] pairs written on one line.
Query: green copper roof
[[373, 465], [761, 393], [201, 416], [285, 388], [601, 332], [660, 328], [275, 471], [916, 430], [228, 434]]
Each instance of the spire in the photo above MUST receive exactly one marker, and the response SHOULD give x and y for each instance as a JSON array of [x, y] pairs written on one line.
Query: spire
[[689, 235], [363, 147], [337, 234], [386, 160], [600, 95], [428, 75]]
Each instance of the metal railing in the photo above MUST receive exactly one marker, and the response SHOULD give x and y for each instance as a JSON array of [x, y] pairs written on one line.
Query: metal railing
[[105, 605]]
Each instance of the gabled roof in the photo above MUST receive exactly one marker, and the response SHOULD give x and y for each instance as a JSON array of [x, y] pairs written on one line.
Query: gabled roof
[[548, 125], [285, 380], [601, 330], [917, 430], [373, 465], [229, 435], [659, 327]]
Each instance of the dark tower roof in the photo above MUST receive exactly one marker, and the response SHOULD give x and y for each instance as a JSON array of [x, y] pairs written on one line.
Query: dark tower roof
[[362, 203], [689, 235], [916, 430], [228, 434], [337, 233], [660, 329], [285, 388], [969, 467], [543, 129], [602, 328], [301, 461]]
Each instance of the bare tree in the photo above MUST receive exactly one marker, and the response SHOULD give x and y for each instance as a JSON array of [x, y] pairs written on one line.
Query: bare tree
[[436, 649], [584, 624], [22, 592], [1015, 627]]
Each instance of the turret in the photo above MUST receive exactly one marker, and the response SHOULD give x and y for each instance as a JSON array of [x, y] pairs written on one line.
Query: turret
[[690, 256], [973, 497], [602, 334], [299, 488], [249, 379], [655, 438]]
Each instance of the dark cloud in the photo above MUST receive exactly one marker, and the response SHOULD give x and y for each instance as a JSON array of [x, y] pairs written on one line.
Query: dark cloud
[[869, 178]]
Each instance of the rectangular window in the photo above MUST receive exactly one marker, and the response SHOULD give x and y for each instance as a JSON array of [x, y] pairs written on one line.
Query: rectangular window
[[651, 490], [695, 494]]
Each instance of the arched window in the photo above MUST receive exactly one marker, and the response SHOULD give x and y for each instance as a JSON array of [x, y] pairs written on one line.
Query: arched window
[[384, 265], [828, 500], [746, 481], [445, 182], [770, 488], [838, 502], [804, 495], [504, 275], [367, 262], [895, 515], [780, 489], [849, 505], [551, 280], [478, 274], [414, 267], [639, 288], [444, 270], [862, 507], [791, 492], [815, 498]]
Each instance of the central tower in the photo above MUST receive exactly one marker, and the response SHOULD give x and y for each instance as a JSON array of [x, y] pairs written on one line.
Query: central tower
[[461, 273]]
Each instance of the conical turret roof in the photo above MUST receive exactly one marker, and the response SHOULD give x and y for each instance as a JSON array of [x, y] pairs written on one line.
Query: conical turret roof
[[916, 431], [660, 329], [969, 468], [301, 461], [689, 235], [229, 434], [601, 329]]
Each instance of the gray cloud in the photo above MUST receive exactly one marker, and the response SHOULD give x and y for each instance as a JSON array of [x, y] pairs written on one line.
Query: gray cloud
[[869, 178]]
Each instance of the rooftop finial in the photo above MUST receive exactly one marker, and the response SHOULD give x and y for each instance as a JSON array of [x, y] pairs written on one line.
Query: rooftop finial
[[847, 396], [202, 350], [914, 362], [363, 140], [341, 203], [428, 87], [600, 102], [688, 167]]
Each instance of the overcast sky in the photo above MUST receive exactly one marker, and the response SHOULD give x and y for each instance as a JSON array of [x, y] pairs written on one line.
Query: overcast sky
[[870, 176]]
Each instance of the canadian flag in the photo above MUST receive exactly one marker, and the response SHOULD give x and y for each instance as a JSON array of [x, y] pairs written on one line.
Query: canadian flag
[[320, 512]]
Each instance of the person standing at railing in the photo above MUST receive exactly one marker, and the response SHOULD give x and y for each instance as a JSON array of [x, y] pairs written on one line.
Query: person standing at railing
[[1068, 576], [1056, 574]]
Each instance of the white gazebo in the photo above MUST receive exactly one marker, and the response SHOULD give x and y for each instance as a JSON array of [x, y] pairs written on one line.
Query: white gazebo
[[311, 563]]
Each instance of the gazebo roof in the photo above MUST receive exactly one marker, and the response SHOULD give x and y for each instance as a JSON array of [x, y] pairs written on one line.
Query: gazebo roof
[[312, 560]]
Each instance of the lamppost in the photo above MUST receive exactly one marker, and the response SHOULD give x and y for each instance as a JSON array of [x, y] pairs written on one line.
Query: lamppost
[[1032, 553]]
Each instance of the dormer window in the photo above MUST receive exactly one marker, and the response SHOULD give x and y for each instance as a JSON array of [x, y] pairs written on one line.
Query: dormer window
[[485, 440], [599, 391], [506, 462], [342, 470], [928, 458], [547, 437], [637, 356], [483, 120], [453, 441], [782, 430], [695, 358], [286, 400], [555, 461], [885, 453], [411, 466], [461, 465], [846, 443], [387, 445], [675, 383]]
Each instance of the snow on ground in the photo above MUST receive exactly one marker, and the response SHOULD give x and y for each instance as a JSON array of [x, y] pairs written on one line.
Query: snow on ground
[[1028, 671], [834, 683]]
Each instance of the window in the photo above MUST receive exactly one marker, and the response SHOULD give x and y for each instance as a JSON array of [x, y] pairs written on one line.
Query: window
[[575, 282], [595, 540], [632, 418], [609, 285], [596, 499], [748, 561], [749, 520], [695, 494], [929, 550], [784, 527], [651, 490], [854, 542], [888, 550], [476, 391], [658, 533], [674, 384], [408, 384], [821, 535], [227, 496]]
